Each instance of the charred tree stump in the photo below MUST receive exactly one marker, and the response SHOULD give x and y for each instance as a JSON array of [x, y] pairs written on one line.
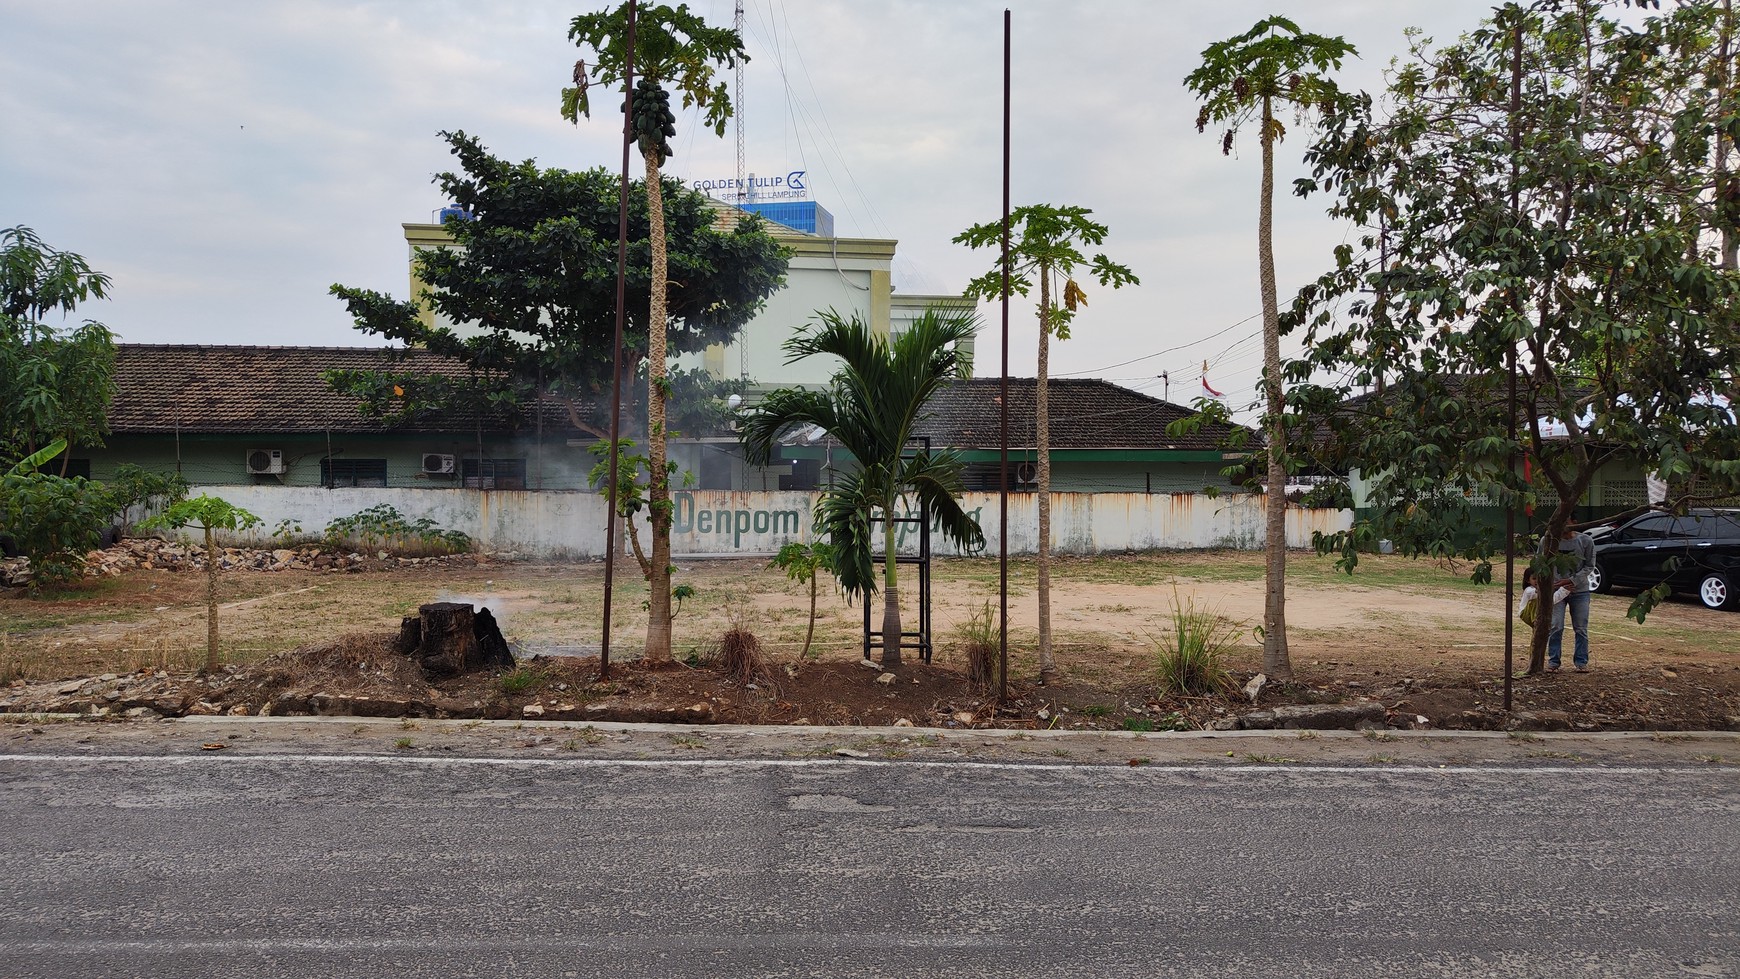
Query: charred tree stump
[[450, 638], [492, 648]]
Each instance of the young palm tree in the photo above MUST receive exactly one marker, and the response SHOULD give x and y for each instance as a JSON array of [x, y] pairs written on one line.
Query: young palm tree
[[675, 47], [1241, 80], [870, 408]]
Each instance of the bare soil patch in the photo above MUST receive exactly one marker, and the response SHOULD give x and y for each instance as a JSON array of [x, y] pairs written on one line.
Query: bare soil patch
[[1415, 639]]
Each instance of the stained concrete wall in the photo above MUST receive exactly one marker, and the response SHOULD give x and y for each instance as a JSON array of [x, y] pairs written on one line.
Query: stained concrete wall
[[557, 524]]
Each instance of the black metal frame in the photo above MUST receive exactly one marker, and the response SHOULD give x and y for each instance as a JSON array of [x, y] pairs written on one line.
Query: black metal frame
[[922, 635]]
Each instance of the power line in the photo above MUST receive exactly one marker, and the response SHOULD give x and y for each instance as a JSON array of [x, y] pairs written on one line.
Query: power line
[[1160, 353]]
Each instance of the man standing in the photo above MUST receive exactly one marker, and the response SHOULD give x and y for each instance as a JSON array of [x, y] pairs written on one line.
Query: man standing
[[1575, 557]]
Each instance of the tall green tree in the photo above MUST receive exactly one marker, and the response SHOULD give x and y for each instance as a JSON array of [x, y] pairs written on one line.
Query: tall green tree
[[1245, 80], [532, 276], [672, 47], [871, 406], [55, 381], [1045, 247], [1543, 192]]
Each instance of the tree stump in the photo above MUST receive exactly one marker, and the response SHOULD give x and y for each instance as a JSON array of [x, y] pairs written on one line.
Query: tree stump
[[450, 638]]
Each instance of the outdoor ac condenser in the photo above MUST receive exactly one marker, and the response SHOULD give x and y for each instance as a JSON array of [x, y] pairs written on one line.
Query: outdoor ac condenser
[[437, 464], [265, 462]]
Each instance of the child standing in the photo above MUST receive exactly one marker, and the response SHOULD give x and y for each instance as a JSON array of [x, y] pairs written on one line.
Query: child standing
[[1528, 605]]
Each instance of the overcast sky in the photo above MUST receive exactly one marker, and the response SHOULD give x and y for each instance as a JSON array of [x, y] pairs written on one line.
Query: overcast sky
[[227, 162]]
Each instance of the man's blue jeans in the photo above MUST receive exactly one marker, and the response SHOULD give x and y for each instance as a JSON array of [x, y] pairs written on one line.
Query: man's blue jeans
[[1578, 603]]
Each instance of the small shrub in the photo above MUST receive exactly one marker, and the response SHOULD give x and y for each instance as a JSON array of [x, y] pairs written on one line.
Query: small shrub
[[402, 744], [55, 521], [383, 526], [739, 655], [1192, 660], [522, 679], [1138, 724]]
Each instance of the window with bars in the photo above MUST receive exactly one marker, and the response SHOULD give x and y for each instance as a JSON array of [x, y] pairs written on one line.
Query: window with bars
[[494, 474], [353, 472]]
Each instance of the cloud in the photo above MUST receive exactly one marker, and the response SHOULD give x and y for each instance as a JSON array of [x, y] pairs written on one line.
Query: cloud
[[227, 162]]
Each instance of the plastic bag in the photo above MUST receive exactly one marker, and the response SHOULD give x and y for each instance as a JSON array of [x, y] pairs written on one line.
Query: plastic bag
[[1529, 611]]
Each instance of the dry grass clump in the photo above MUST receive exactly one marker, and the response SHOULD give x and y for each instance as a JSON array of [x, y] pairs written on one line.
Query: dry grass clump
[[978, 639], [740, 657], [345, 656]]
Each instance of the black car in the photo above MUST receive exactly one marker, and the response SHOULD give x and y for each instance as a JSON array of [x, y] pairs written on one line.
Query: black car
[[1697, 553]]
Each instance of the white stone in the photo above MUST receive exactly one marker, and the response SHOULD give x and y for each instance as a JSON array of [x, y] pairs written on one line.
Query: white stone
[[533, 710], [903, 722], [885, 679], [1254, 688]]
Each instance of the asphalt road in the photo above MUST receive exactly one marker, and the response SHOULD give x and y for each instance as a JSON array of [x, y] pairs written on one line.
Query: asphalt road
[[332, 864]]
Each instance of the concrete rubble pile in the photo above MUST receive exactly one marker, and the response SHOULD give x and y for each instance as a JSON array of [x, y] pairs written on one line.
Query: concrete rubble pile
[[151, 552]]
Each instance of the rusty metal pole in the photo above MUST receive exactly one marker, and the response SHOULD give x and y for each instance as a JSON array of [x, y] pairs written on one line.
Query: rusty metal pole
[[1003, 412], [616, 347]]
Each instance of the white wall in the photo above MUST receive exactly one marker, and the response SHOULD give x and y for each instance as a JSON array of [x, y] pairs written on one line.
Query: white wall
[[558, 524]]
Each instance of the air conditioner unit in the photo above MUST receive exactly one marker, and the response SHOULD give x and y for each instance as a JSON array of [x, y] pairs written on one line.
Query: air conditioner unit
[[437, 464], [265, 462]]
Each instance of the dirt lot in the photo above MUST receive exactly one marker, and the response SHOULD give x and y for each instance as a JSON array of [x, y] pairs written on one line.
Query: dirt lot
[[1415, 639]]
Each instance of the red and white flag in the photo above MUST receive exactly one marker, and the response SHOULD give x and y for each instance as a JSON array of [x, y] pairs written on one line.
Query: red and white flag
[[1206, 388]]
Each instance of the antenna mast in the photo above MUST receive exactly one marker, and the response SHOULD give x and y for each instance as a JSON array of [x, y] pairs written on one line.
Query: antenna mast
[[737, 25]]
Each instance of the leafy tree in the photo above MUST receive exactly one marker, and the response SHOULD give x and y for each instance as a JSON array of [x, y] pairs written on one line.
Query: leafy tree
[[677, 48], [805, 562], [870, 408], [208, 514], [55, 521], [533, 278], [1544, 194], [1242, 80], [54, 382], [1045, 245], [136, 486]]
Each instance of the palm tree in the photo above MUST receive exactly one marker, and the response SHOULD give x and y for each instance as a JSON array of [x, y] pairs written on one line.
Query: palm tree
[[871, 408], [675, 47], [1240, 81], [1046, 245]]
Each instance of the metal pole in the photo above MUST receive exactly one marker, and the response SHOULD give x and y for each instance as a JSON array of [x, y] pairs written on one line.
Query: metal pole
[[616, 348], [1511, 357], [1510, 369], [1003, 412]]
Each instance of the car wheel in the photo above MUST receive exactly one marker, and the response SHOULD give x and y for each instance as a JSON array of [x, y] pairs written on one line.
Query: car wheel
[[1598, 580], [1716, 592]]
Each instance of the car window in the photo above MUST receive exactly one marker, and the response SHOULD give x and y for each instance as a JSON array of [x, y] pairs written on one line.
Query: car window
[[1692, 526], [1727, 526], [1648, 528]]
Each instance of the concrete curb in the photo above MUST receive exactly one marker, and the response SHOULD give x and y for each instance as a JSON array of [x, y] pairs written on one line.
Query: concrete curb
[[1011, 734]]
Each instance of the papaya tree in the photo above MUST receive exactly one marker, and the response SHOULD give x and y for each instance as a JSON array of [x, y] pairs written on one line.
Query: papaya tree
[[207, 514], [1245, 80], [672, 47], [804, 563], [1045, 248]]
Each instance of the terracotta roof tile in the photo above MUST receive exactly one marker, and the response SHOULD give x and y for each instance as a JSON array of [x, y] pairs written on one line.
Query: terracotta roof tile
[[256, 389], [1085, 414]]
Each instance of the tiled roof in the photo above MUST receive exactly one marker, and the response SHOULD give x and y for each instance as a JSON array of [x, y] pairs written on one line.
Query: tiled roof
[[1085, 414], [162, 388]]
